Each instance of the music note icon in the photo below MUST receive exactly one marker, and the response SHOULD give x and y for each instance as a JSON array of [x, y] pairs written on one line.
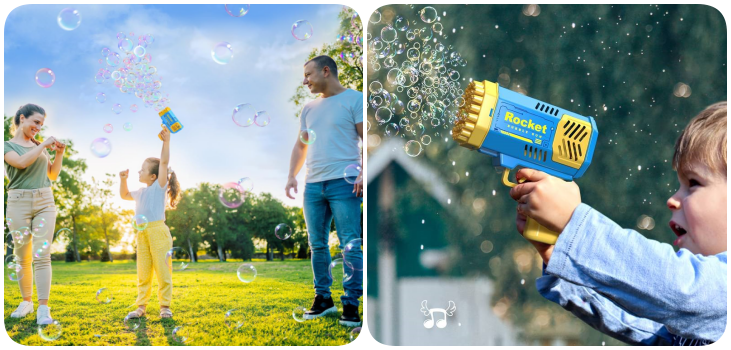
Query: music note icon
[[441, 323]]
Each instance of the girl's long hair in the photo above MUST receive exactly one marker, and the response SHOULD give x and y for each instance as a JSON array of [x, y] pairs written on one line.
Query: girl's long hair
[[173, 184]]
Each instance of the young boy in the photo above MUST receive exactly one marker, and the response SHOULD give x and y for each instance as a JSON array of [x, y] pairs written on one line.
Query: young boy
[[627, 286]]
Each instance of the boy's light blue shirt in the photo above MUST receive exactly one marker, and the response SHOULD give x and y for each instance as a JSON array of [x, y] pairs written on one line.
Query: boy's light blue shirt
[[634, 289]]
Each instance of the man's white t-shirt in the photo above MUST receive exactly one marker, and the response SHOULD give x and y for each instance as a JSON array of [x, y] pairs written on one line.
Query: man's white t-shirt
[[333, 120]]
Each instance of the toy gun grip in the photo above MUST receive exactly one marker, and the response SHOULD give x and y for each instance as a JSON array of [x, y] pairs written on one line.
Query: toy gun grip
[[533, 230]]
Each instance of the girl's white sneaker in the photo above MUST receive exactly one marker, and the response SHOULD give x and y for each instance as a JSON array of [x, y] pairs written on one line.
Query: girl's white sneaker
[[23, 309]]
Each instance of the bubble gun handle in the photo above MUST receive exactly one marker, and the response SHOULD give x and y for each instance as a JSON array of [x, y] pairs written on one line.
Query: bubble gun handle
[[532, 230], [170, 121]]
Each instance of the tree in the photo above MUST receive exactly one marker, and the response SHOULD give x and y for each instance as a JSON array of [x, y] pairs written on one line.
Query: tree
[[347, 52], [185, 221], [266, 212], [108, 218]]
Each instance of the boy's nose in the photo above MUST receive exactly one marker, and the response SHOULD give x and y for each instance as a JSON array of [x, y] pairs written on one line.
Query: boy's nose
[[673, 203]]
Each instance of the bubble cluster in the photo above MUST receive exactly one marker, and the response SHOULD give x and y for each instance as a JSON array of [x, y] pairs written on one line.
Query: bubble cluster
[[302, 30], [246, 273], [131, 72], [45, 77], [415, 87]]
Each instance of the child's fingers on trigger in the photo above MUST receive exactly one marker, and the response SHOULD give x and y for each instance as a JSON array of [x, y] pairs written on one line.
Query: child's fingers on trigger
[[530, 174], [521, 190]]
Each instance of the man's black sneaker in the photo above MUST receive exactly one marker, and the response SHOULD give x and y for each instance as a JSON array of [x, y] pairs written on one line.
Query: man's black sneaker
[[320, 307], [350, 317]]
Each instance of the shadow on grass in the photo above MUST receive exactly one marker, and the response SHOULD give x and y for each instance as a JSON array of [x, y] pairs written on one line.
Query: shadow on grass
[[141, 333], [169, 324]]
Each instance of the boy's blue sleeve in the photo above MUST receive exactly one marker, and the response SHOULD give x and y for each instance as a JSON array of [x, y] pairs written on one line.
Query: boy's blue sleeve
[[602, 314], [683, 291]]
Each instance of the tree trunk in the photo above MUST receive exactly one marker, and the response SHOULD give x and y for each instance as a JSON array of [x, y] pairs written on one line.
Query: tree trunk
[[193, 258], [269, 256], [76, 249], [106, 237], [282, 254], [221, 257]]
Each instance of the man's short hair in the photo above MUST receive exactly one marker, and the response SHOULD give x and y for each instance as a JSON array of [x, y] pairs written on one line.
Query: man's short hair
[[325, 61]]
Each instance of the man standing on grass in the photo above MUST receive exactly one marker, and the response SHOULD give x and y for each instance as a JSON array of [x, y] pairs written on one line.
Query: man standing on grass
[[336, 117]]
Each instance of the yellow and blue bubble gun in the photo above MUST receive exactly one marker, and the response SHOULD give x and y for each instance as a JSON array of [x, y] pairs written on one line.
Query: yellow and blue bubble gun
[[517, 130], [170, 121]]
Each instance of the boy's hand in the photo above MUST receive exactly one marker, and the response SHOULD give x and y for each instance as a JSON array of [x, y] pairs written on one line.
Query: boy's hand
[[124, 174], [165, 135], [547, 199], [544, 250]]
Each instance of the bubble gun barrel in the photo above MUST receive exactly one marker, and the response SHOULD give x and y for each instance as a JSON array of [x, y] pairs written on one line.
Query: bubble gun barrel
[[517, 130], [170, 121]]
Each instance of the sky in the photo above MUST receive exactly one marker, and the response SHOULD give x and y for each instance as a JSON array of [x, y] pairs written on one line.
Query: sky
[[265, 71]]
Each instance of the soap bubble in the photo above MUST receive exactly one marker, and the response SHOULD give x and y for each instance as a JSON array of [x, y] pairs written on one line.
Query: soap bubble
[[339, 272], [133, 108], [426, 140], [353, 254], [412, 148], [116, 75], [108, 128], [101, 147], [244, 114], [38, 230], [682, 90], [127, 126], [104, 295], [222, 53], [69, 19], [106, 51], [302, 30], [234, 318], [132, 323], [402, 24], [308, 136], [45, 77], [354, 333], [64, 231], [388, 34], [180, 334], [14, 240], [139, 51], [391, 129], [246, 184], [283, 231], [113, 59], [232, 195], [117, 108], [237, 10], [125, 45], [13, 268], [121, 36], [50, 332], [149, 39], [261, 118], [139, 222], [352, 174], [8, 223], [375, 17], [299, 313], [177, 259], [25, 230], [246, 273], [428, 14], [383, 115], [375, 87]]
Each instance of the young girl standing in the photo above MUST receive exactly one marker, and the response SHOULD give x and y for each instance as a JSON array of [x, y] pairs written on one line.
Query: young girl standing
[[155, 240]]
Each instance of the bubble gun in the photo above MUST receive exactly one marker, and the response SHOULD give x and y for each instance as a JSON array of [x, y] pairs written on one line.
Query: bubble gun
[[517, 130], [170, 121]]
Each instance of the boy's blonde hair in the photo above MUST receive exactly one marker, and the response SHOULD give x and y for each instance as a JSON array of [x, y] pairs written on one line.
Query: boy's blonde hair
[[703, 141]]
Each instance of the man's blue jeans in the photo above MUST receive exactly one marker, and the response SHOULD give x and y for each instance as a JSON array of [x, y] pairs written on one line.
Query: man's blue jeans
[[324, 201]]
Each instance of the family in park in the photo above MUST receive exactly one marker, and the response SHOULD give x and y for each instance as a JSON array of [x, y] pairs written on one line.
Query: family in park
[[337, 118]]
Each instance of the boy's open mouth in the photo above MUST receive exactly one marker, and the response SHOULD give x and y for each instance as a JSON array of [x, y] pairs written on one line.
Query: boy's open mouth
[[679, 231]]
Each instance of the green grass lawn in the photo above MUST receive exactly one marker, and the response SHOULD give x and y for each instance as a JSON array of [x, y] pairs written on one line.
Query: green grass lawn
[[201, 296]]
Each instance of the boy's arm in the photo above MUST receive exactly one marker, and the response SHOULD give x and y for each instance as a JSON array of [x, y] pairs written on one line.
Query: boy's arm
[[601, 313], [685, 292]]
